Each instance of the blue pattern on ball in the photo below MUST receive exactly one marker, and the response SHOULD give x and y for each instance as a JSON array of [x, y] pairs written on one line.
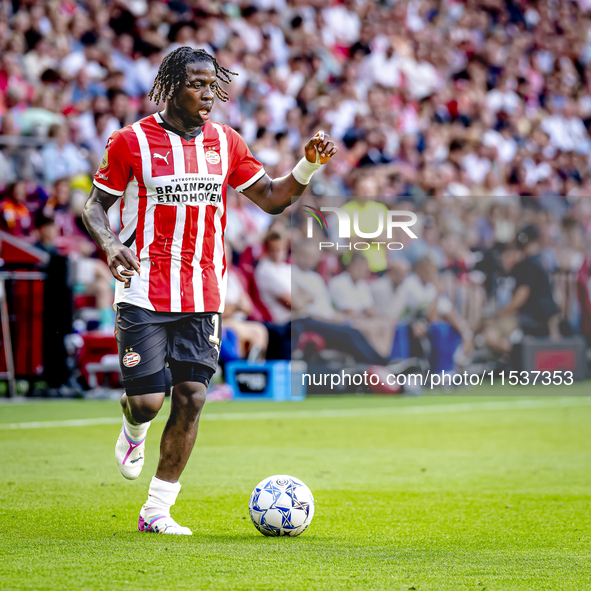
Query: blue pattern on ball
[[281, 506]]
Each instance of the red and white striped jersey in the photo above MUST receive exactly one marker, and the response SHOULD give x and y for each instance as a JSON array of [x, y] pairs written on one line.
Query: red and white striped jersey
[[173, 210]]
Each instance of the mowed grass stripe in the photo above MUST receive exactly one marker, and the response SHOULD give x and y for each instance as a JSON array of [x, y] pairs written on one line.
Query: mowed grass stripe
[[520, 403]]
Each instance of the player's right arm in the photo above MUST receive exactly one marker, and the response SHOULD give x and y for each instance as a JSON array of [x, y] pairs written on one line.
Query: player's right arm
[[97, 223], [109, 184]]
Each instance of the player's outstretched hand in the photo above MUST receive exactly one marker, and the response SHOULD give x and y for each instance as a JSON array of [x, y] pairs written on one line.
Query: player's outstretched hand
[[123, 263], [322, 146]]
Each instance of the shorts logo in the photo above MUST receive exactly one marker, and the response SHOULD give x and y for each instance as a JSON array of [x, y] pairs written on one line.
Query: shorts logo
[[212, 156], [131, 358]]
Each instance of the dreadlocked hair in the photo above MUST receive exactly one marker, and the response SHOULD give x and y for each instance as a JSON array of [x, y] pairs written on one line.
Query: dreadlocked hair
[[173, 72]]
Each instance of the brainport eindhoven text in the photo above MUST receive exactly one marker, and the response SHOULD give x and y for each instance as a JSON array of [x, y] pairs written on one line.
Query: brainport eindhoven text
[[189, 193]]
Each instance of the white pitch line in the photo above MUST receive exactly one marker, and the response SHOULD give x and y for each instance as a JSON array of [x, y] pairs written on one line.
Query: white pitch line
[[520, 403]]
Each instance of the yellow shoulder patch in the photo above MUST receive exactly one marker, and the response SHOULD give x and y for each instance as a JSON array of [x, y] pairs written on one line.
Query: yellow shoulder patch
[[105, 161]]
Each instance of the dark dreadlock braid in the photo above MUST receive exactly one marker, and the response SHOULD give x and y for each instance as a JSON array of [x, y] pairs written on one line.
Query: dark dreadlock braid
[[173, 72]]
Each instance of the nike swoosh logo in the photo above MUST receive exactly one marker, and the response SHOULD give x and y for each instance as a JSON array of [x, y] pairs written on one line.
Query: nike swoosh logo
[[136, 460]]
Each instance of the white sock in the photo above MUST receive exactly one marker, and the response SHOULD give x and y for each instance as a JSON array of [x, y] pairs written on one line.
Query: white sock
[[136, 432], [161, 497]]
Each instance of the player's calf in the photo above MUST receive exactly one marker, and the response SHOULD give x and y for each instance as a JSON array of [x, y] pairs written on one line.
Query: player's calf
[[180, 432], [188, 401]]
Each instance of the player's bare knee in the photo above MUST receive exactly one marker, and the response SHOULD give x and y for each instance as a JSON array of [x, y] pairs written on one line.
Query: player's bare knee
[[143, 414], [145, 407]]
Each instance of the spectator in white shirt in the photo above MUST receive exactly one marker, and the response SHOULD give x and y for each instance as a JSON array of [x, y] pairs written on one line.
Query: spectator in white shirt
[[421, 75], [385, 290], [566, 130], [420, 302], [88, 57], [61, 158], [342, 21], [104, 126], [477, 164], [351, 295], [313, 298], [273, 278], [503, 98], [382, 67], [350, 291], [313, 311], [252, 336], [248, 27], [278, 102], [504, 143]]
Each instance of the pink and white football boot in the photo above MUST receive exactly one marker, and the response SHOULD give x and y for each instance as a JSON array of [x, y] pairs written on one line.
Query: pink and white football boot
[[155, 514], [160, 523], [129, 453]]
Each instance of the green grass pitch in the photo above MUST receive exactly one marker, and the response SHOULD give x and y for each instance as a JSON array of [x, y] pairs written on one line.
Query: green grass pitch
[[437, 493]]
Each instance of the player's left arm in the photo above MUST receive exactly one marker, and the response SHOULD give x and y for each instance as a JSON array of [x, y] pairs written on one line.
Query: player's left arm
[[274, 195]]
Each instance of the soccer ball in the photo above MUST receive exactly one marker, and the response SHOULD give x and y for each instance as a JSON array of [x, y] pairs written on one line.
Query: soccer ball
[[281, 506]]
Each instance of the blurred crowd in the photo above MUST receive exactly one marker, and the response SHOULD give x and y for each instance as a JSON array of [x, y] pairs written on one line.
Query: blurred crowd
[[474, 114]]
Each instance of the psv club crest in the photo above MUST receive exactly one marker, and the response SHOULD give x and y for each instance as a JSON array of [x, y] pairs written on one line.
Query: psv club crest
[[131, 358], [212, 157]]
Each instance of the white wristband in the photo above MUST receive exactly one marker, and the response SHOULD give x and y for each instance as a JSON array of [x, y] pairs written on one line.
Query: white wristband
[[303, 170]]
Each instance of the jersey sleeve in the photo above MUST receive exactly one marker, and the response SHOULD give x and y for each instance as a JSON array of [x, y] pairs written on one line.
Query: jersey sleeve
[[116, 168], [245, 169]]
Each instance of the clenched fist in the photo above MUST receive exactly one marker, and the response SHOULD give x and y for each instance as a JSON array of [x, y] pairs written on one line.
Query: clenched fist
[[320, 149]]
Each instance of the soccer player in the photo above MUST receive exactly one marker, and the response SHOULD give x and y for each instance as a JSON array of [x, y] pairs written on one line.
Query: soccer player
[[171, 171]]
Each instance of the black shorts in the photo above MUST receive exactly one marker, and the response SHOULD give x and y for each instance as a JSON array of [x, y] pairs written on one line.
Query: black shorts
[[147, 340]]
